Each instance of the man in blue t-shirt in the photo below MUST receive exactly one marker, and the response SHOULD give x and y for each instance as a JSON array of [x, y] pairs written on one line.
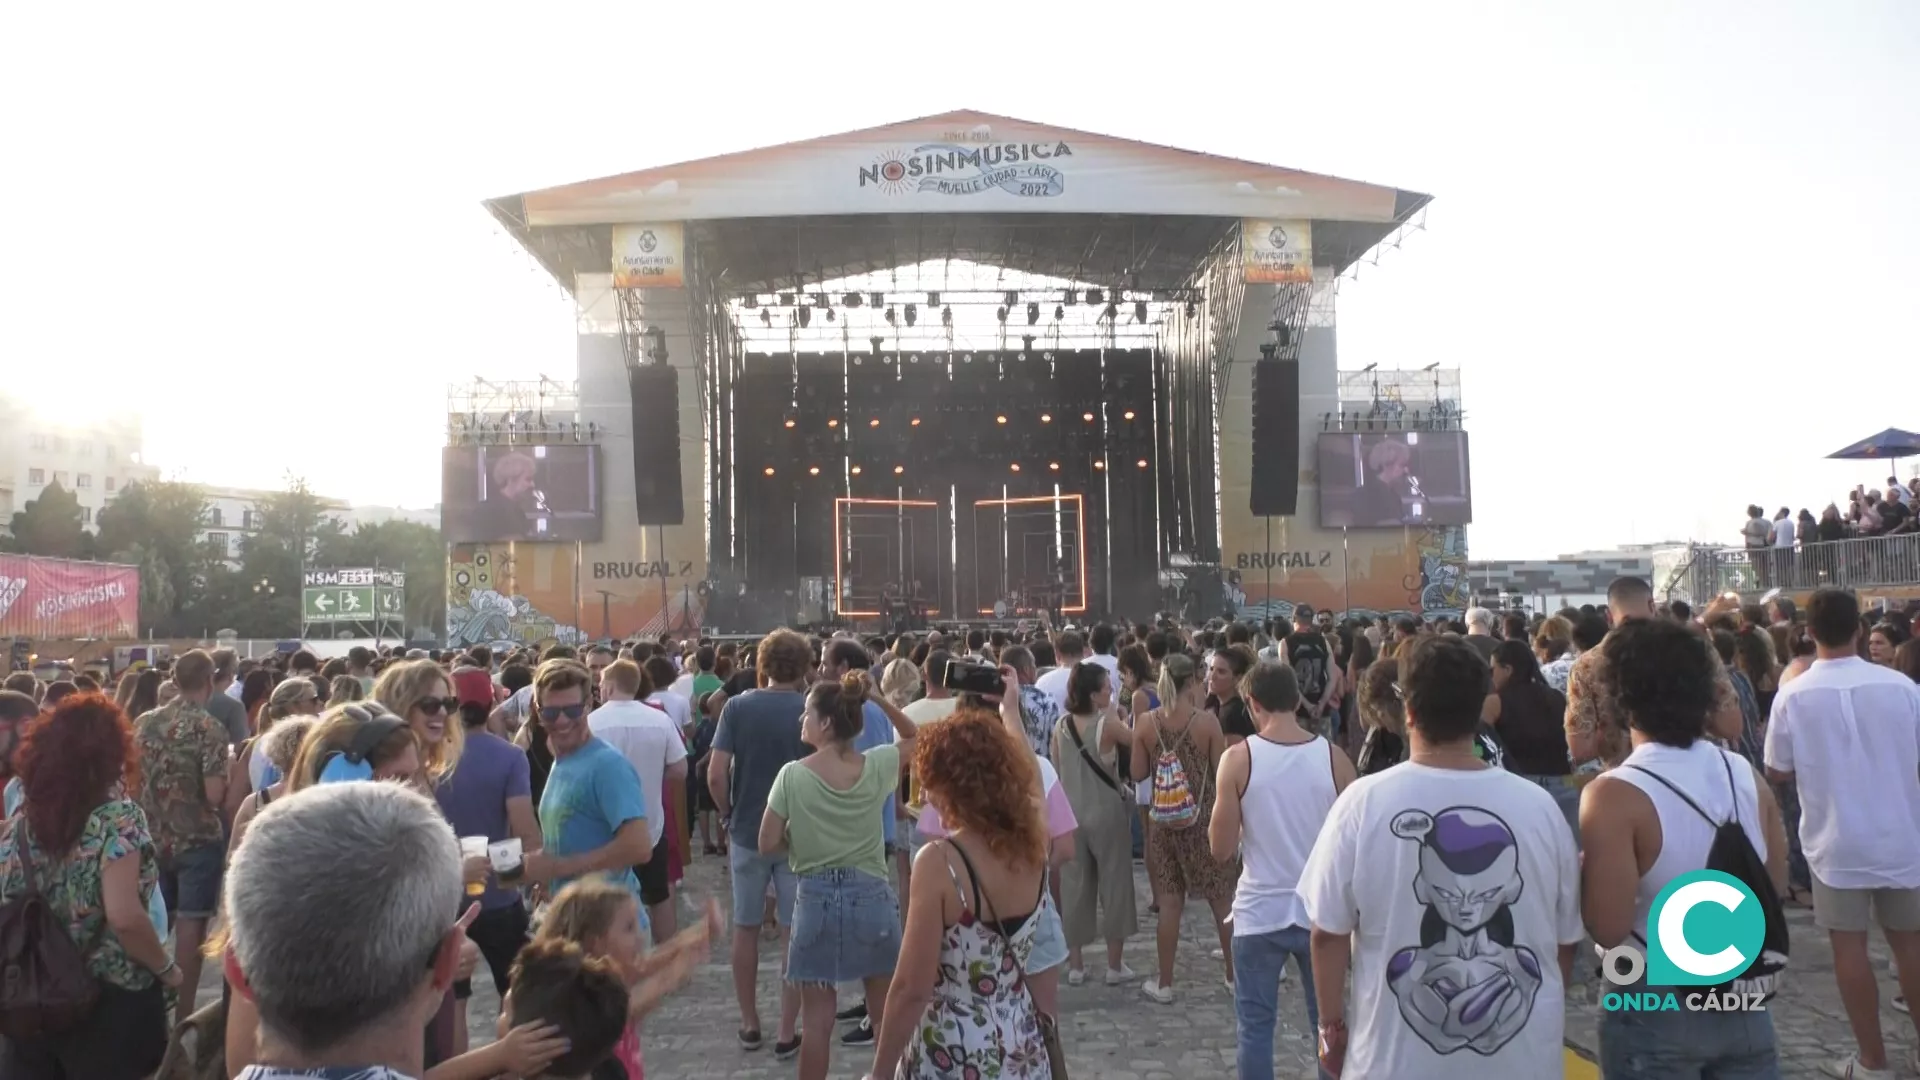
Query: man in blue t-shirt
[[593, 818]]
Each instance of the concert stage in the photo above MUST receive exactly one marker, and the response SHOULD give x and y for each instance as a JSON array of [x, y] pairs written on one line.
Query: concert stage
[[966, 362]]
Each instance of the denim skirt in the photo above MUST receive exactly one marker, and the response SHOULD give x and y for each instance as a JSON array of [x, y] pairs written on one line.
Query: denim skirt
[[846, 927]]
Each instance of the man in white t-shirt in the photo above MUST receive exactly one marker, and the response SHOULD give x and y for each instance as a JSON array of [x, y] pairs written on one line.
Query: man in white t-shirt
[[939, 702], [660, 675], [650, 741], [1103, 637], [1069, 648], [1848, 734], [1461, 954]]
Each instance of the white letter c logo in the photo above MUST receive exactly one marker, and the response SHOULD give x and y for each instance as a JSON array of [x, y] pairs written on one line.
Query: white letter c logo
[[1672, 929]]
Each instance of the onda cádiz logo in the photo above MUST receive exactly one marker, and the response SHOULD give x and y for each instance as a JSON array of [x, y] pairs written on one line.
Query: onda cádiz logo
[[1705, 930], [1027, 170]]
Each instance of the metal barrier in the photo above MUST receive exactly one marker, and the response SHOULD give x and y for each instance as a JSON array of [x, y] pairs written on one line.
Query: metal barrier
[[1868, 561]]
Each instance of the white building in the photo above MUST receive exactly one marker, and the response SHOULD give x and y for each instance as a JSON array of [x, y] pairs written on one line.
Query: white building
[[95, 458], [233, 514], [380, 515]]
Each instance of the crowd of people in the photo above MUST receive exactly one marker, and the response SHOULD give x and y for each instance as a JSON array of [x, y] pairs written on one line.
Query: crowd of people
[[938, 826], [1778, 546]]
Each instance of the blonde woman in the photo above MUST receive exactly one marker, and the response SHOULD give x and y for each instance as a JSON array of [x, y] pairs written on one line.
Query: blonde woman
[[901, 683], [344, 688], [419, 692], [278, 748]]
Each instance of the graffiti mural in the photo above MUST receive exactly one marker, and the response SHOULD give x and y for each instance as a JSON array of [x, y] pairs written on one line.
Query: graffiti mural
[[1441, 588], [484, 607]]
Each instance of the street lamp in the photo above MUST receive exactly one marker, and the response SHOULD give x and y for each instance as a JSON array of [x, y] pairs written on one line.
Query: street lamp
[[263, 587]]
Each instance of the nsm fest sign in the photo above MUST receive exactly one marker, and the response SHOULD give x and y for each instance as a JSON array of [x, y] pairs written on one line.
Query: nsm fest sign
[[1704, 929]]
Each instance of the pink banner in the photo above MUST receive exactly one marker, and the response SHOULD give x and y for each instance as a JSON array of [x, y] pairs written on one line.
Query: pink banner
[[57, 598]]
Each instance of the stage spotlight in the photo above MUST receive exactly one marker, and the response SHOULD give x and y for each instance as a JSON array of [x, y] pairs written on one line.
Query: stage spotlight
[[1140, 311], [806, 317], [915, 422], [1094, 296], [833, 422], [1128, 415], [852, 299], [1101, 465], [791, 422], [1033, 314], [766, 317], [913, 313], [768, 470], [1192, 309], [1000, 419], [1054, 465], [1267, 349], [1000, 313], [1282, 336], [891, 317], [946, 316], [1046, 418], [1026, 344], [786, 299], [876, 342], [813, 470], [1070, 298], [1087, 416], [898, 469], [933, 299], [752, 301], [1059, 312], [875, 422], [1142, 463], [855, 470], [1015, 467]]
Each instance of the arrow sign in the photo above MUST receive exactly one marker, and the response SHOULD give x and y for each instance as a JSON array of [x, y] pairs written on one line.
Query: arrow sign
[[322, 603]]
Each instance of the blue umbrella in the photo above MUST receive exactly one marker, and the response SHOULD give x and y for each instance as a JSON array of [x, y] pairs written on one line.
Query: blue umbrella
[[1891, 443]]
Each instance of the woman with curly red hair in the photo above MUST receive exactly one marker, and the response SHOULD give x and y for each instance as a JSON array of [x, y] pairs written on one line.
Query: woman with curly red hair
[[978, 916], [86, 846]]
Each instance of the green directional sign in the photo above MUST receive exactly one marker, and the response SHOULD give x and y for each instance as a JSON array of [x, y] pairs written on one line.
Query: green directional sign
[[324, 604], [370, 598]]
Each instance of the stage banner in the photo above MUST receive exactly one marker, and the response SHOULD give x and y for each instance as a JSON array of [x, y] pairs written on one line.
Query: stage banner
[[1277, 252], [58, 598], [649, 255]]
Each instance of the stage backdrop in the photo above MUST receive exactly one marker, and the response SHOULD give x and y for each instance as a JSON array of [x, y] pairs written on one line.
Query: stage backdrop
[[59, 598], [1284, 562]]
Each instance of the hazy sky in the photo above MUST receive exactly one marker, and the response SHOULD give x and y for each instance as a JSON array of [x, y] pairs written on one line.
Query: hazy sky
[[1674, 246]]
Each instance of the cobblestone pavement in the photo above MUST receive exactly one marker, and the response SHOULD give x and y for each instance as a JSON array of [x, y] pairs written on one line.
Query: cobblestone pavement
[[1117, 1034]]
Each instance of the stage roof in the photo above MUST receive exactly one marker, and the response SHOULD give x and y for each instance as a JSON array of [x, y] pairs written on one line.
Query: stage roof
[[965, 184]]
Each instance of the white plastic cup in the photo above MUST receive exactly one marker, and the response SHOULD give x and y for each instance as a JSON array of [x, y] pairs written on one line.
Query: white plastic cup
[[471, 846]]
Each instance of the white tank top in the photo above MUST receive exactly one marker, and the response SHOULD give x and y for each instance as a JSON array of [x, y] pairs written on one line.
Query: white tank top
[[1701, 771], [1289, 792]]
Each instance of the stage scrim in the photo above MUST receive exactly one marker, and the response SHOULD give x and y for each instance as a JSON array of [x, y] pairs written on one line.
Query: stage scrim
[[1030, 554]]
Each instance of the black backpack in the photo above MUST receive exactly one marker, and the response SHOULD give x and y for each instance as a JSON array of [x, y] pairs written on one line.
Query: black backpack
[[1733, 854], [46, 986]]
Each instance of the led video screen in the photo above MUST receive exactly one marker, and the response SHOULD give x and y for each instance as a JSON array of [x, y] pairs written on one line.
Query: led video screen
[[1393, 479], [493, 494]]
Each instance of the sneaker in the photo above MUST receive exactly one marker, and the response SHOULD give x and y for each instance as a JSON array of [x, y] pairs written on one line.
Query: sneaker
[[1121, 974], [1849, 1068], [858, 1035], [1153, 989], [857, 1011], [1283, 974], [1077, 976], [784, 1051], [749, 1040]]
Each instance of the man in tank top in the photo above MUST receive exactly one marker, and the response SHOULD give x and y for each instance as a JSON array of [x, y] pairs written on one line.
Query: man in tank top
[[1275, 790], [1639, 833]]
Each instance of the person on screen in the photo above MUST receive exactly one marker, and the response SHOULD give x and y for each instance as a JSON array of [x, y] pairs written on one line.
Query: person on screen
[[503, 514], [1382, 499]]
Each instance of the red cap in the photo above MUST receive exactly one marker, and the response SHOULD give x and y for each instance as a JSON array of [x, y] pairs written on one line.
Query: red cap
[[473, 686]]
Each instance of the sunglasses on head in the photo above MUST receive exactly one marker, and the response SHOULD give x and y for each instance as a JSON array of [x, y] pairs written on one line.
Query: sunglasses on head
[[554, 712], [439, 705]]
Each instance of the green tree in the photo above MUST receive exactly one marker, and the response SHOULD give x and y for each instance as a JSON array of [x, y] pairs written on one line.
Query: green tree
[[402, 545], [154, 525], [51, 525]]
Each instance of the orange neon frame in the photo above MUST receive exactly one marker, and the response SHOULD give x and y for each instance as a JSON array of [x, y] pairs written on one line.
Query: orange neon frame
[[1080, 511], [839, 577]]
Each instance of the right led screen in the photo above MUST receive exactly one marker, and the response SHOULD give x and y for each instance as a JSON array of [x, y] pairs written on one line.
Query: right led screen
[[1392, 479]]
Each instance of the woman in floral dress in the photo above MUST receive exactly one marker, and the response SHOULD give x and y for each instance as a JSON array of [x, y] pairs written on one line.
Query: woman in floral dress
[[960, 1006]]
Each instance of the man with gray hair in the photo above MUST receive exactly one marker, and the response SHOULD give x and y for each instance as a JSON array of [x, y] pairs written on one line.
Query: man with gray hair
[[377, 868], [1480, 632]]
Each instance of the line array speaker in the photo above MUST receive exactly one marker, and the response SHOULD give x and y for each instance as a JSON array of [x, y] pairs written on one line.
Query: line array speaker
[[1275, 487], [656, 444]]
